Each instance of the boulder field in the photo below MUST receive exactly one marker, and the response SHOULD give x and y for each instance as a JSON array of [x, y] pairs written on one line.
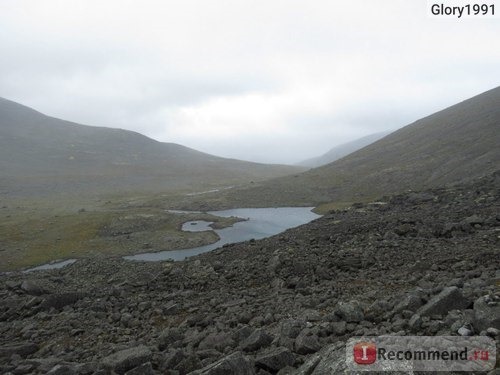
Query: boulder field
[[418, 263]]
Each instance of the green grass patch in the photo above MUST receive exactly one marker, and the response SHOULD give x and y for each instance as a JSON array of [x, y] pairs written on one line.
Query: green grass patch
[[39, 232]]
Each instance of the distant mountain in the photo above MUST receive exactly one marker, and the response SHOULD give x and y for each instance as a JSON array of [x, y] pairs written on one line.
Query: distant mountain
[[41, 154], [342, 150], [456, 144]]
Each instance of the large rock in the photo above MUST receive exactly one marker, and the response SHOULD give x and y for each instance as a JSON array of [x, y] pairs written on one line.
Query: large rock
[[473, 220], [307, 344], [450, 298], [409, 302], [168, 337], [62, 370], [233, 364], [217, 341], [377, 310], [350, 312], [275, 359], [144, 369], [338, 328], [332, 360], [58, 301], [32, 287], [415, 323], [258, 339], [486, 313], [21, 349], [188, 364], [124, 360], [173, 358], [242, 333], [292, 328]]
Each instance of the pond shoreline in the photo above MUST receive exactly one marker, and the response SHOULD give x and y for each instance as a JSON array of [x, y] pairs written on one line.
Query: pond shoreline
[[265, 222], [256, 223]]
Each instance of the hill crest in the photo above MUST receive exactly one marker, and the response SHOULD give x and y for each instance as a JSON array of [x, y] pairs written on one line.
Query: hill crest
[[456, 144], [41, 154]]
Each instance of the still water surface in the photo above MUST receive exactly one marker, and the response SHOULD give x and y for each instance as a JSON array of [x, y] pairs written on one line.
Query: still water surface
[[260, 223], [52, 265]]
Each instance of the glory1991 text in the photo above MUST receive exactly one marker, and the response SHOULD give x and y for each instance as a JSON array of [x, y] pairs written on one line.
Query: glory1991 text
[[468, 10]]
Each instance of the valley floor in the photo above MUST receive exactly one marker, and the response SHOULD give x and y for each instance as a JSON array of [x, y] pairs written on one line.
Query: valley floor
[[39, 231], [420, 263]]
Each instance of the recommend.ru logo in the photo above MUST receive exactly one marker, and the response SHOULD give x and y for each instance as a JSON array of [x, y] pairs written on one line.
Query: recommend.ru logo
[[365, 353], [421, 353]]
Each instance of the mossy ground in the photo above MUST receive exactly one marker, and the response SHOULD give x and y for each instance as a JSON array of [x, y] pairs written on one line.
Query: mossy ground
[[34, 232], [39, 230]]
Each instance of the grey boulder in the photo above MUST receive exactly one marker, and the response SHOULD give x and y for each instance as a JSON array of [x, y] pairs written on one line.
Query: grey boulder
[[125, 360], [486, 313], [449, 298], [233, 364]]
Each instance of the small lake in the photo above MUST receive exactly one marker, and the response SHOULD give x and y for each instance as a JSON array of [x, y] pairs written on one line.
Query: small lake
[[259, 223]]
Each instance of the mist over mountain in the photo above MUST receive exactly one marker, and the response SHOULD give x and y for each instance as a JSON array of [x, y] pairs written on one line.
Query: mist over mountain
[[41, 154], [456, 144], [342, 150]]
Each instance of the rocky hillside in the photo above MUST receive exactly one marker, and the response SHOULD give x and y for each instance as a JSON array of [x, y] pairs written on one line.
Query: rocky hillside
[[342, 150], [424, 263], [455, 144], [41, 154]]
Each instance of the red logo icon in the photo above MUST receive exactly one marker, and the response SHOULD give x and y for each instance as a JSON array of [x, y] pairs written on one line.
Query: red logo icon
[[365, 353]]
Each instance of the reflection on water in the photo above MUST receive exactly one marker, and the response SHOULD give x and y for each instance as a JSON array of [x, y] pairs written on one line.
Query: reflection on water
[[261, 223]]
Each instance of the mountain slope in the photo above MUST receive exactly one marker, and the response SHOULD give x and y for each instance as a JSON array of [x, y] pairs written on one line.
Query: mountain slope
[[40, 154], [342, 150], [455, 144]]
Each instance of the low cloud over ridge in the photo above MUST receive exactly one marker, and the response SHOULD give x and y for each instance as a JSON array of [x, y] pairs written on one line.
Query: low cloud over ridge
[[270, 81]]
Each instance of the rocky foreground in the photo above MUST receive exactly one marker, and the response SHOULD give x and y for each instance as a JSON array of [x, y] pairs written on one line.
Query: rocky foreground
[[425, 263]]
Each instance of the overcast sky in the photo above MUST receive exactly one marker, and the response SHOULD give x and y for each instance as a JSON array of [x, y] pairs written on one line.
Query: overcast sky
[[262, 80]]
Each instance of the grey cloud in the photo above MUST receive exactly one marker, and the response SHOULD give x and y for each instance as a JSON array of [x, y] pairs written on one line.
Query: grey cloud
[[297, 78]]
